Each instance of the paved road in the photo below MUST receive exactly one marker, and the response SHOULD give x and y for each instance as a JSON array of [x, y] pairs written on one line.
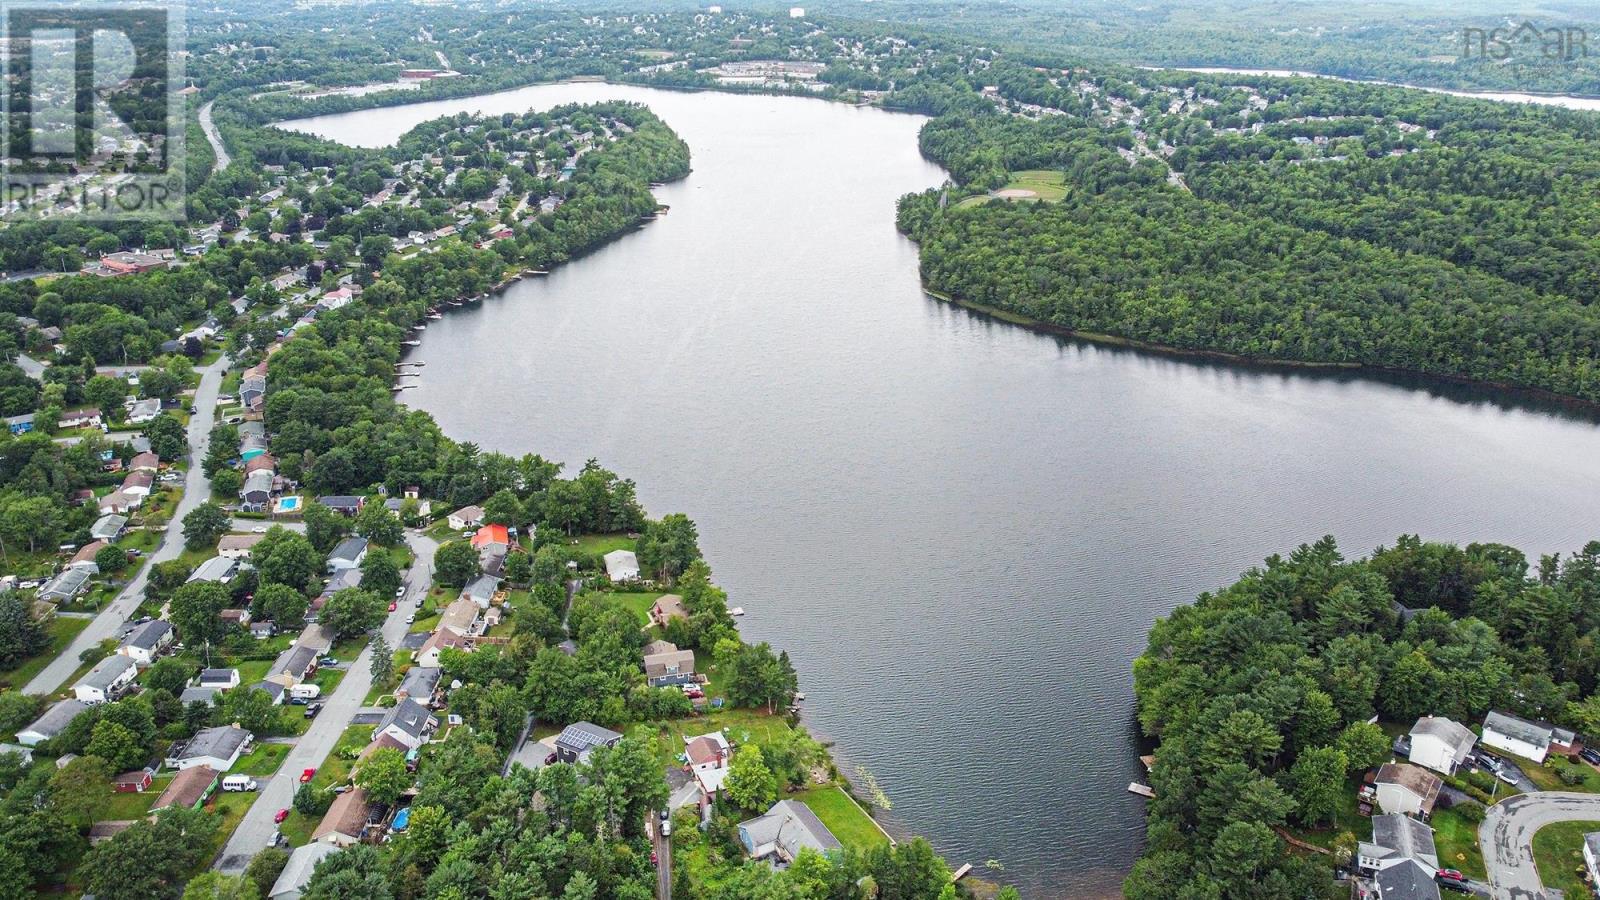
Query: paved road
[[1506, 837], [210, 128], [256, 828], [663, 847], [195, 490]]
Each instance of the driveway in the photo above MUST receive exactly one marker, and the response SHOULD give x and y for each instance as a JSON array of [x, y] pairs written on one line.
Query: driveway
[[337, 714], [1506, 837], [663, 848], [108, 624]]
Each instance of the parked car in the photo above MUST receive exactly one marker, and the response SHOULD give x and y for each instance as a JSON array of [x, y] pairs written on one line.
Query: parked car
[[400, 591], [328, 661], [393, 606], [550, 760], [411, 618], [1451, 875], [1590, 755], [666, 828], [1509, 776], [276, 839], [653, 860], [281, 815], [307, 775], [312, 709], [259, 529], [298, 701], [419, 602]]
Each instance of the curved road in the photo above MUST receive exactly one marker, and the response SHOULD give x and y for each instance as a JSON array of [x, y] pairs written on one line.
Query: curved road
[[1506, 837], [195, 489], [210, 128]]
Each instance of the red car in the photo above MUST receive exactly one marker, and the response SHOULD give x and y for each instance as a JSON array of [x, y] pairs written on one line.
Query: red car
[[653, 860], [1451, 875], [306, 775], [392, 607], [282, 814]]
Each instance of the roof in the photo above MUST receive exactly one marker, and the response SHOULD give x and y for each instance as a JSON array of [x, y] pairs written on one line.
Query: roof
[[706, 748], [655, 647], [347, 815], [56, 718], [349, 549], [317, 637], [197, 694], [1517, 729], [580, 737], [187, 788], [221, 742], [409, 716], [258, 481], [147, 459], [340, 501], [669, 662], [1592, 841], [106, 672], [483, 586], [1408, 881], [273, 689], [293, 661], [1454, 734], [148, 635], [1406, 837], [620, 562], [296, 872], [239, 541], [87, 551], [670, 606], [218, 676], [468, 514], [491, 534], [788, 827], [442, 639], [67, 584], [217, 568], [108, 526], [459, 615], [420, 681], [1415, 779]]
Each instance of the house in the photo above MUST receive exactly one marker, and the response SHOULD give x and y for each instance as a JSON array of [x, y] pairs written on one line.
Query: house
[[1401, 858], [238, 546], [238, 618], [188, 789], [297, 871], [1405, 788], [293, 666], [441, 640], [460, 616], [708, 756], [119, 502], [263, 631], [87, 417], [65, 586], [54, 721], [348, 555], [146, 642], [316, 637], [668, 662], [419, 683], [346, 820], [1591, 855], [144, 410], [84, 558], [1440, 744], [257, 491], [217, 569], [492, 537], [218, 679], [1519, 737], [577, 740], [787, 828], [466, 517], [342, 581], [108, 527], [274, 691], [266, 462], [347, 505], [218, 747], [622, 565], [409, 722], [20, 424], [127, 263], [397, 506], [21, 752], [106, 681], [135, 782], [666, 608], [197, 694], [481, 590], [138, 484], [145, 462], [100, 832]]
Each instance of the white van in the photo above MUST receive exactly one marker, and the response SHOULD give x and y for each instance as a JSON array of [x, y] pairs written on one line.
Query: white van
[[239, 783], [305, 691]]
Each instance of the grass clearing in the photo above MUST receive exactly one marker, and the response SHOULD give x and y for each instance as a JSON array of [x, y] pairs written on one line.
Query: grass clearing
[[263, 759], [601, 544], [1456, 838], [848, 821], [1558, 853], [742, 726]]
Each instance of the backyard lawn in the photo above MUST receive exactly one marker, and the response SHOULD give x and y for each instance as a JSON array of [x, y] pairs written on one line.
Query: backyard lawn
[[264, 759], [638, 603], [334, 771], [848, 821], [1558, 852], [601, 544], [61, 631], [741, 725], [1456, 838]]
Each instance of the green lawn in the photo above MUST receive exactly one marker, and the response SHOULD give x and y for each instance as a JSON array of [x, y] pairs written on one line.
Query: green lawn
[[638, 603], [742, 726], [1456, 838], [1044, 184], [848, 821], [61, 632], [1558, 852], [334, 771], [1548, 776], [120, 807], [601, 544], [264, 759]]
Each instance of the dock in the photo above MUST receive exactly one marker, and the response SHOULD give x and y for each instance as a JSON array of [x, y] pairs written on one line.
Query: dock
[[1149, 762], [961, 872], [1143, 790]]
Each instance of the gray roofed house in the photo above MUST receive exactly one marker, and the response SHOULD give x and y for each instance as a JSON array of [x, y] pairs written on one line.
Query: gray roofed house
[[218, 569], [481, 589], [1400, 836], [419, 683], [1407, 881], [221, 679], [576, 740], [290, 668], [197, 694], [53, 722], [668, 662], [218, 747], [1441, 744], [297, 871], [348, 555], [257, 488], [349, 505], [409, 723], [70, 583], [1518, 736], [272, 689], [144, 642], [787, 828], [108, 527], [102, 683]]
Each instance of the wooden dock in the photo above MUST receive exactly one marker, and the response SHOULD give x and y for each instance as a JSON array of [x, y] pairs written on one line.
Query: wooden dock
[[961, 872], [1143, 790]]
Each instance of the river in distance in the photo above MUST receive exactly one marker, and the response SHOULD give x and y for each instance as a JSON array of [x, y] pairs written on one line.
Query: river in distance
[[960, 529]]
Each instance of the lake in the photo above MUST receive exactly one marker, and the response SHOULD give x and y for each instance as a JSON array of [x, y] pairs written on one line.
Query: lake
[[960, 529]]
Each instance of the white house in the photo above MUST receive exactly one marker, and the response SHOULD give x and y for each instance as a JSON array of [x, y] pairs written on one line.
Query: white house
[[1519, 737], [622, 565], [1408, 789], [348, 555], [296, 873], [1591, 855], [1401, 858], [1440, 744], [218, 747], [218, 569], [108, 678], [409, 722], [145, 642], [465, 517], [54, 721]]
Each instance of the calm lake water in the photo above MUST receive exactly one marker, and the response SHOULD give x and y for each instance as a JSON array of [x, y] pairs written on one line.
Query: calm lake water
[[960, 529]]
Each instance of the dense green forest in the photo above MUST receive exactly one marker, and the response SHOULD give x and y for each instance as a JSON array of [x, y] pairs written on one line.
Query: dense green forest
[[1260, 693]]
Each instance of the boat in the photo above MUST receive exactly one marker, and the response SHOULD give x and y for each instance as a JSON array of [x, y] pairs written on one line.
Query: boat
[[798, 695], [736, 611], [412, 343], [435, 316]]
